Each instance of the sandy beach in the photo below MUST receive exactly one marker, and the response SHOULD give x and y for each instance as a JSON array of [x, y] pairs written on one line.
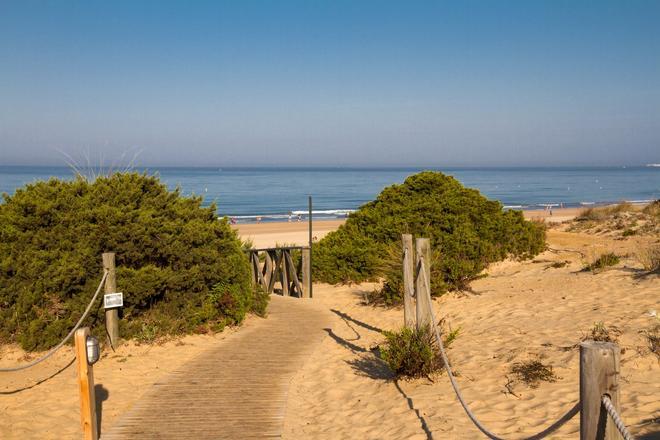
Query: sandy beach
[[521, 310]]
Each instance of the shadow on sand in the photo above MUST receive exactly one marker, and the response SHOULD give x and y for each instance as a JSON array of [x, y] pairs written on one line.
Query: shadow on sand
[[41, 381], [102, 395]]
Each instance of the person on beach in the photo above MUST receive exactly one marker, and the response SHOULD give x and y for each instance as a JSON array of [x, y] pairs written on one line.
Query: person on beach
[[290, 216], [258, 219]]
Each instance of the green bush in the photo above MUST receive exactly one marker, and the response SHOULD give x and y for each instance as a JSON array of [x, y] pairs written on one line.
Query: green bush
[[467, 232], [179, 267], [604, 261], [411, 353]]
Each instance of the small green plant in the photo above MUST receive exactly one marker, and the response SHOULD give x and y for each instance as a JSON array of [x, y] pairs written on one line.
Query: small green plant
[[629, 232], [606, 260], [411, 353], [559, 264], [601, 333], [533, 372]]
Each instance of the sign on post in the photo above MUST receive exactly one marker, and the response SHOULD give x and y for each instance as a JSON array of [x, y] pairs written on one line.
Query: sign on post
[[113, 300]]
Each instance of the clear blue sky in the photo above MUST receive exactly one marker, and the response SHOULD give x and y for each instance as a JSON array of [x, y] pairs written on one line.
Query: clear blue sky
[[331, 82]]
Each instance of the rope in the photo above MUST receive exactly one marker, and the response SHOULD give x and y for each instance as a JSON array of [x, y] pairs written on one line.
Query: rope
[[73, 330], [556, 425], [607, 403]]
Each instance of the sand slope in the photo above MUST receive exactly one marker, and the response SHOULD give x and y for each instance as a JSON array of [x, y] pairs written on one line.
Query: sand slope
[[520, 311]]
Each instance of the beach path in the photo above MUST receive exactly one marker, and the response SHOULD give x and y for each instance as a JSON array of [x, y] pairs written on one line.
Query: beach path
[[237, 389]]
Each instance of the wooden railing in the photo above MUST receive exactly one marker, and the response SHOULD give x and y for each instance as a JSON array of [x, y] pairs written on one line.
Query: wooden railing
[[278, 267]]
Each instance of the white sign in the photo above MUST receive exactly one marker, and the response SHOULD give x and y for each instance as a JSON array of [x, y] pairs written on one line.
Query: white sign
[[112, 300]]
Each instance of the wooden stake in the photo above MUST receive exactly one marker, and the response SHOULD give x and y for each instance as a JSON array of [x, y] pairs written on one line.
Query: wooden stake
[[423, 281], [86, 387], [285, 273], [111, 315], [599, 375], [307, 273], [268, 270], [408, 281]]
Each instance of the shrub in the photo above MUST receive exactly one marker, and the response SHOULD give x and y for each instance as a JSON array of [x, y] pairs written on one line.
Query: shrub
[[467, 232], [604, 261], [649, 257], [411, 353], [170, 253]]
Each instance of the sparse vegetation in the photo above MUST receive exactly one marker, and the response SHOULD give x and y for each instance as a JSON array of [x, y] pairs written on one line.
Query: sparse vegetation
[[623, 220], [413, 353], [559, 264], [649, 258], [467, 232], [653, 340], [604, 261], [601, 333], [180, 268], [533, 372]]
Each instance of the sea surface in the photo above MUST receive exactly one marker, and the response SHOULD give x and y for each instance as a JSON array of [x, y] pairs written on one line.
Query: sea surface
[[276, 193]]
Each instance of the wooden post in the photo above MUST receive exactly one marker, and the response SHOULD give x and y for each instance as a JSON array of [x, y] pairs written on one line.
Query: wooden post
[[307, 273], [408, 281], [276, 259], [285, 273], [311, 243], [111, 315], [423, 281], [268, 270], [599, 375], [86, 386]]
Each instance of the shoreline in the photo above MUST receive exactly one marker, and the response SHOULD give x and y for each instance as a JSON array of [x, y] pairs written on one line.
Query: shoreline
[[530, 211], [274, 233]]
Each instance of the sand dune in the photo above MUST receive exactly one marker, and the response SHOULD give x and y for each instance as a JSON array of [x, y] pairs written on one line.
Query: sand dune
[[521, 310]]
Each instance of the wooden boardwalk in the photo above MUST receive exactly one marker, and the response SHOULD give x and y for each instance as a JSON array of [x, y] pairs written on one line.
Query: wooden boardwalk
[[235, 390]]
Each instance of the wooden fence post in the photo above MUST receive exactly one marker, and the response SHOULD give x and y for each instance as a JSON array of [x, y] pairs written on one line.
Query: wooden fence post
[[599, 375], [111, 315], [285, 274], [408, 281], [423, 281], [268, 269], [86, 386], [306, 273]]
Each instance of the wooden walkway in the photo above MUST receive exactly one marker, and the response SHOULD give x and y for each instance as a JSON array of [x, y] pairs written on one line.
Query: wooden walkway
[[235, 390]]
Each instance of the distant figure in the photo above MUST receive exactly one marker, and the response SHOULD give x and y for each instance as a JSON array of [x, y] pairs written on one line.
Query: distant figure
[[233, 220], [550, 209], [299, 217], [258, 219], [290, 216]]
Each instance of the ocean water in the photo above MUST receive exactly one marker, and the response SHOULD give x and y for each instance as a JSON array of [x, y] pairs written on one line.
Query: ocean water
[[272, 194]]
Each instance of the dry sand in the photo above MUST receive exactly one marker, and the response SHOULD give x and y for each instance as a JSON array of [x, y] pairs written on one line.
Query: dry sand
[[520, 311]]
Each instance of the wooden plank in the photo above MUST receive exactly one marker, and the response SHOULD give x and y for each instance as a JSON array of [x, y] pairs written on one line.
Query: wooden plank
[[599, 375], [277, 257], [85, 374], [285, 273], [423, 282], [257, 269], [237, 388], [408, 281], [306, 273], [111, 315], [294, 275], [268, 269]]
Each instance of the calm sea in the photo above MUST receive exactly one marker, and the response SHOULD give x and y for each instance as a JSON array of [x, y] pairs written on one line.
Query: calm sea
[[245, 193]]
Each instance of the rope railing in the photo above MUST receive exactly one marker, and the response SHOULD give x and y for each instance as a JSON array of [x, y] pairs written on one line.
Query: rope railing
[[550, 429], [609, 407], [67, 337]]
